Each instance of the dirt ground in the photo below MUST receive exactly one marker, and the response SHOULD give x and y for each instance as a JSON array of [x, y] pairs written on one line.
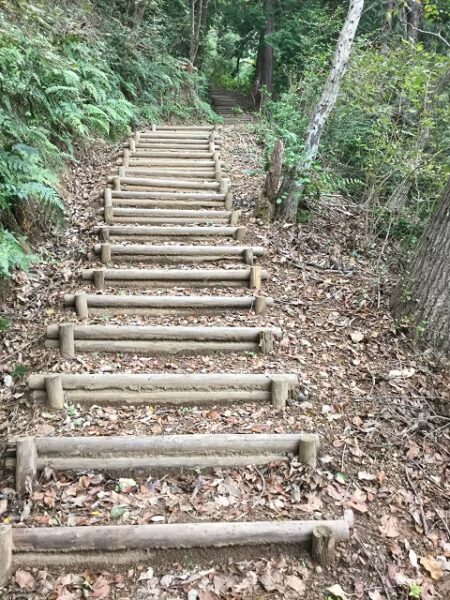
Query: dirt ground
[[379, 404]]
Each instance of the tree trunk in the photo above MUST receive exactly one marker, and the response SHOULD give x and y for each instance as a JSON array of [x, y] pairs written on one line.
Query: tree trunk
[[264, 63], [265, 207], [413, 12], [292, 187], [198, 16], [137, 14], [422, 297], [387, 25]]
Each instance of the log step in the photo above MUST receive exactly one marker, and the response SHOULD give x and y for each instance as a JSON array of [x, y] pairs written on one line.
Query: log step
[[163, 389], [203, 173], [86, 304], [186, 278], [110, 253], [155, 216], [103, 545], [118, 233], [70, 339], [29, 456], [164, 183]]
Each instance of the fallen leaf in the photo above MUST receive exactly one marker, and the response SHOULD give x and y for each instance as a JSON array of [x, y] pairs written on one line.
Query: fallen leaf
[[148, 574], [337, 591], [24, 580], [295, 583], [364, 476], [389, 526], [101, 588], [357, 336], [432, 566]]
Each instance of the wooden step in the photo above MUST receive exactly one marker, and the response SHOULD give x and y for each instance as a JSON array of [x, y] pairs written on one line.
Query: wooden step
[[170, 135], [169, 254], [29, 456], [189, 154], [185, 278], [72, 338], [86, 304], [203, 174], [170, 183], [101, 546], [176, 389], [155, 216], [141, 233], [174, 199]]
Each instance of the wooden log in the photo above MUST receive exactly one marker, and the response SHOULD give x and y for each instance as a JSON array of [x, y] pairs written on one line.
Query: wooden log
[[280, 391], [249, 256], [177, 136], [6, 550], [55, 391], [116, 184], [174, 216], [171, 445], [177, 276], [235, 215], [26, 467], [162, 302], [171, 154], [108, 206], [261, 303], [308, 449], [168, 195], [173, 250], [118, 397], [175, 146], [164, 381], [193, 173], [142, 159], [323, 545], [170, 183], [132, 146], [65, 331], [266, 342], [81, 305], [126, 157], [140, 233], [163, 332], [161, 347], [255, 276], [169, 535], [98, 277], [105, 251]]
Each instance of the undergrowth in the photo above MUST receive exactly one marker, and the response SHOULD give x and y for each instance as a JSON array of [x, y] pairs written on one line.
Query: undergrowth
[[71, 73]]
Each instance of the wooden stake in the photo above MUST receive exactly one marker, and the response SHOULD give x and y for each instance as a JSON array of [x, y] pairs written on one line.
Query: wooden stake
[[26, 468], [241, 233], [66, 340], [99, 279], [122, 171], [55, 391], [81, 305], [108, 206], [266, 342], [255, 277], [229, 200], [248, 257], [323, 545], [5, 553], [116, 184], [153, 127], [260, 305], [217, 170], [126, 157], [132, 146], [234, 218], [307, 449], [105, 253], [280, 391]]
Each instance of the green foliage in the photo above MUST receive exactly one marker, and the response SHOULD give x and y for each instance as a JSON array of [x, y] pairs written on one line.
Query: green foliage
[[70, 73]]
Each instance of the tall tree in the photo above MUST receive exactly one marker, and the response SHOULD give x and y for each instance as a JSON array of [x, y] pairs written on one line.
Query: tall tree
[[291, 191], [263, 85], [413, 13], [422, 296]]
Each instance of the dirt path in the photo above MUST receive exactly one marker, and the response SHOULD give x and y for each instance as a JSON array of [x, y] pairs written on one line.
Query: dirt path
[[375, 401]]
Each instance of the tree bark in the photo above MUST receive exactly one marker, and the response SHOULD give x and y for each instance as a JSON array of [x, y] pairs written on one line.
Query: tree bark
[[198, 16], [413, 13], [422, 297], [292, 187], [264, 63], [265, 207]]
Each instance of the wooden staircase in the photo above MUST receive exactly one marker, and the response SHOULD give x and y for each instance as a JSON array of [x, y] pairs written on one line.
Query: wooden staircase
[[166, 190]]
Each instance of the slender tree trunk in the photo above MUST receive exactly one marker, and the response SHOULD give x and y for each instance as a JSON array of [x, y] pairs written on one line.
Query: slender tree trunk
[[198, 16], [422, 297], [265, 207], [292, 187], [387, 25], [264, 63], [413, 13]]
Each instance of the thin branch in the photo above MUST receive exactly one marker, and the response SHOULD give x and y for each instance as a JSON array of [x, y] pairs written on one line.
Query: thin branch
[[438, 35]]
